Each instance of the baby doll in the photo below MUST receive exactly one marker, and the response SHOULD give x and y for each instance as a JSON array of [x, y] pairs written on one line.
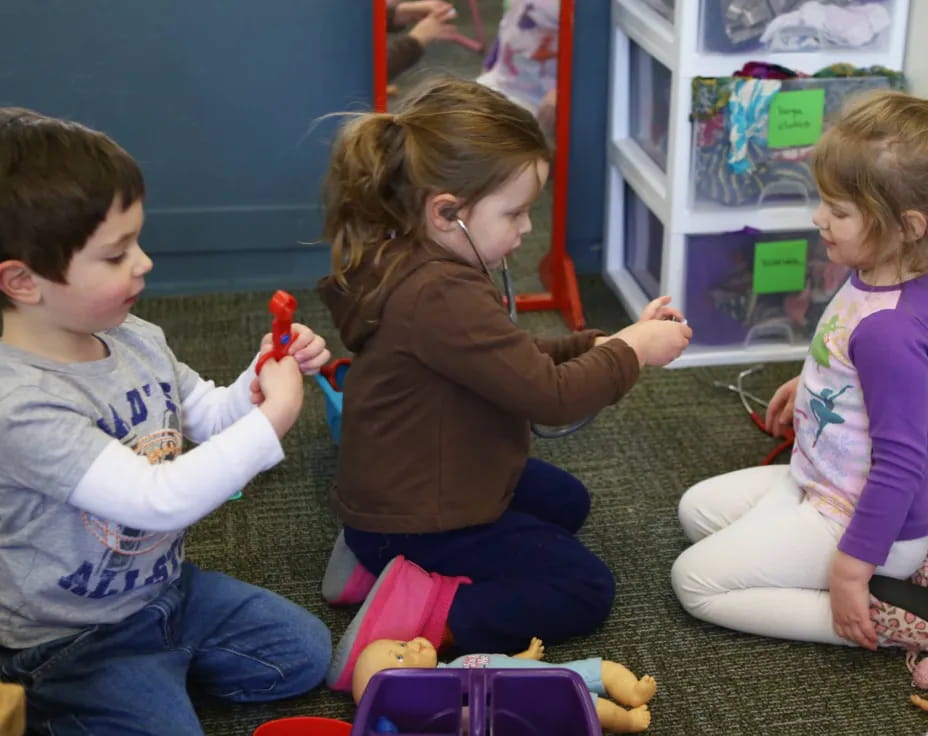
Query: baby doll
[[600, 675]]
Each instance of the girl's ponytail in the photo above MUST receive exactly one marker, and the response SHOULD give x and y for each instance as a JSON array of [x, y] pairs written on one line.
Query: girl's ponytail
[[449, 135], [365, 173]]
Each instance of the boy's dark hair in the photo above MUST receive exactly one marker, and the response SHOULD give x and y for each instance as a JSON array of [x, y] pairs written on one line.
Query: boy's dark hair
[[58, 180]]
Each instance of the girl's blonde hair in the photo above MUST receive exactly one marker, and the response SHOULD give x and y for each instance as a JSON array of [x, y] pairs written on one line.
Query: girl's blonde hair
[[449, 135], [876, 156]]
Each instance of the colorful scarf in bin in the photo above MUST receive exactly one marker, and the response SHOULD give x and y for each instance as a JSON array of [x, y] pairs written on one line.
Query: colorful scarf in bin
[[896, 79], [748, 106], [732, 164]]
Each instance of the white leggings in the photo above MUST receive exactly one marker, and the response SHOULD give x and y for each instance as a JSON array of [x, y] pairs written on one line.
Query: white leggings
[[762, 554]]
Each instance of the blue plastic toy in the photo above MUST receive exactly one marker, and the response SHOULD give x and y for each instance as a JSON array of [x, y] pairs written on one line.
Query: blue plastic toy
[[385, 725], [331, 379]]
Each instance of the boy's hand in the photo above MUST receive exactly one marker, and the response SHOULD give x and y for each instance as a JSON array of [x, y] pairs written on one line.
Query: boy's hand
[[280, 386], [656, 341], [305, 345], [658, 309]]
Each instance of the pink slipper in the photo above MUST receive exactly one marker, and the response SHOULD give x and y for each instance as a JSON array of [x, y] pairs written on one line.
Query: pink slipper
[[405, 602], [346, 581]]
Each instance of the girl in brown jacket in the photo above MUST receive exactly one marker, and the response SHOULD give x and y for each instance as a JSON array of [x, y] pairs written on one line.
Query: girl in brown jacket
[[434, 475]]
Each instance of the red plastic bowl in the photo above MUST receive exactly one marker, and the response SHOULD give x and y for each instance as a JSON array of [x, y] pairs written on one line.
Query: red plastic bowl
[[304, 726]]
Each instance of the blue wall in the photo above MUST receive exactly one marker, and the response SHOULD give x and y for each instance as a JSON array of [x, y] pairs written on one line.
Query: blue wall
[[218, 100], [587, 178]]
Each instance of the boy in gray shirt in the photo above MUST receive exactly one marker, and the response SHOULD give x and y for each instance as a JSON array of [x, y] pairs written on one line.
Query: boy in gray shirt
[[100, 616]]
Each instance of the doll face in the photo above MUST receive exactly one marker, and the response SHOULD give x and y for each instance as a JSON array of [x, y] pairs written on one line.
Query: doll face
[[384, 654], [418, 652]]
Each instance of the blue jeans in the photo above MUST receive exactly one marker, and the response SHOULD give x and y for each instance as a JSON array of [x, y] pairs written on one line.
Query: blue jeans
[[531, 575], [232, 640]]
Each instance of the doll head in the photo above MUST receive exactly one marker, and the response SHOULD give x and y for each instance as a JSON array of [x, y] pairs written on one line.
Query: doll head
[[384, 654]]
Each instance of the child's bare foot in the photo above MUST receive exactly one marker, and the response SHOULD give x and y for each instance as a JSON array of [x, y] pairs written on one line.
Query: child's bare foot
[[643, 691]]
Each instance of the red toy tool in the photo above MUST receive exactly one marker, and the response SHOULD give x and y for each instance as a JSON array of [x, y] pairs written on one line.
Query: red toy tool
[[335, 371], [282, 306]]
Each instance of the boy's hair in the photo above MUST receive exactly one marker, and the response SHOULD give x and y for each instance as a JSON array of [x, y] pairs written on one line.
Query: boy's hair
[[58, 180], [876, 156], [449, 135]]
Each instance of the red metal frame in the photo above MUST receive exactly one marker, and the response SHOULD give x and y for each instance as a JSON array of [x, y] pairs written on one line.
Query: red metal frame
[[556, 268], [380, 55]]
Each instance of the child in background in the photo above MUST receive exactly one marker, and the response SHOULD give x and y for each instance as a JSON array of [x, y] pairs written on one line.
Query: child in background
[[788, 551], [100, 617], [523, 63], [434, 464]]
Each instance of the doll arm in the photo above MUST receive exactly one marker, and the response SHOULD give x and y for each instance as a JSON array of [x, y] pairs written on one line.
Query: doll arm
[[536, 650]]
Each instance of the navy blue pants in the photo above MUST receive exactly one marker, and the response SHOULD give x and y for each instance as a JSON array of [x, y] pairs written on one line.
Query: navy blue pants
[[531, 575]]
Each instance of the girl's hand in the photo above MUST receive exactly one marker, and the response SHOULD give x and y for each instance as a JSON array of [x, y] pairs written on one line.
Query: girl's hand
[[658, 309], [656, 342], [850, 599], [780, 409]]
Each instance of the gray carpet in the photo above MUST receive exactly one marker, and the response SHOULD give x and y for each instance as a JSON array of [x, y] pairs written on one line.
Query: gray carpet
[[672, 430]]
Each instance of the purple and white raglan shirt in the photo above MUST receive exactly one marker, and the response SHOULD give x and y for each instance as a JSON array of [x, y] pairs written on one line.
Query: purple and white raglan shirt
[[861, 416]]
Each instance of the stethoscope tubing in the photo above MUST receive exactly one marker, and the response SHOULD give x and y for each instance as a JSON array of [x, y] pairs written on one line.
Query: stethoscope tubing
[[509, 295]]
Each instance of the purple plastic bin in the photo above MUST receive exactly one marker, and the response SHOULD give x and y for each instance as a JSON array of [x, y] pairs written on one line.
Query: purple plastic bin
[[501, 702], [721, 305]]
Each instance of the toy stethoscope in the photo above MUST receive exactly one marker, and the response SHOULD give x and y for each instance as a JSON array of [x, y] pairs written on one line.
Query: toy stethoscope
[[509, 297], [789, 434]]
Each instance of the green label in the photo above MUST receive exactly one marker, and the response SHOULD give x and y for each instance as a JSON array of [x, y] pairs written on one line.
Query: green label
[[780, 265], [796, 118]]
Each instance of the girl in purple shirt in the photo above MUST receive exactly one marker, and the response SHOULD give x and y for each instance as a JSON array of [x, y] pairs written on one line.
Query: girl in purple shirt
[[788, 551]]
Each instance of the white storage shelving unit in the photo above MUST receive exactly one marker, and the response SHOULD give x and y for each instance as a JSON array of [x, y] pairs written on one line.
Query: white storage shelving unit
[[641, 37]]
